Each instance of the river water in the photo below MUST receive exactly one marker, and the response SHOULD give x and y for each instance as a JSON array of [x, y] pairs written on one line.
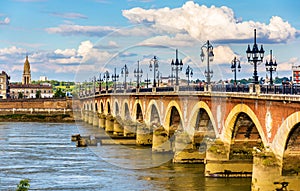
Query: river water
[[44, 154]]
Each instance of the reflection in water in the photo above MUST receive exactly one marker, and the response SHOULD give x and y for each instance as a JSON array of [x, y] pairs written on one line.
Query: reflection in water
[[44, 153]]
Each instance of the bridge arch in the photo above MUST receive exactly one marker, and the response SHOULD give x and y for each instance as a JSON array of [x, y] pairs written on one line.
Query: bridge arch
[[137, 113], [116, 108], [91, 106], [283, 133], [193, 119], [107, 106], [231, 121], [125, 112], [96, 107], [101, 107], [152, 113], [173, 115]]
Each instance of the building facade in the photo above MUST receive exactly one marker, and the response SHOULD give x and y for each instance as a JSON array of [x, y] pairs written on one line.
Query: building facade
[[4, 85], [28, 90]]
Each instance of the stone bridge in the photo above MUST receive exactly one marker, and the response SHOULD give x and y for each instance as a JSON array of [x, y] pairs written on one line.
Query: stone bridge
[[238, 121]]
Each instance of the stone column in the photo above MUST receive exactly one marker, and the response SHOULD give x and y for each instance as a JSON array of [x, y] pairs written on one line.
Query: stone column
[[91, 116], [109, 123], [161, 142], [144, 135], [95, 119], [118, 128], [102, 119], [185, 151]]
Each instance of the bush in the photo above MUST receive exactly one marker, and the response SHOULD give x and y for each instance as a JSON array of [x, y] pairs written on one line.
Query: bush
[[23, 185]]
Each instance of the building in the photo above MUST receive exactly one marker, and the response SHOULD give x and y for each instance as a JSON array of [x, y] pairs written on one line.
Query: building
[[296, 74], [43, 78], [4, 85], [28, 90]]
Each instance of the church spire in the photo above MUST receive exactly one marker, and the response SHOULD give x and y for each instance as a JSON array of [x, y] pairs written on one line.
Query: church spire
[[26, 79]]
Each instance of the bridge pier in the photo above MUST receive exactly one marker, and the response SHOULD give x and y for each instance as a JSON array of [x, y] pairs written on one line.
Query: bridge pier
[[129, 128], [102, 119], [185, 150], [161, 141], [86, 116], [118, 127], [90, 117], [109, 123], [95, 119], [144, 135]]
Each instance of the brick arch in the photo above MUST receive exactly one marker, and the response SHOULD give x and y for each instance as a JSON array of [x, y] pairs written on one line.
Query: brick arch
[[134, 110], [123, 112], [91, 107], [148, 113], [232, 117], [168, 114], [108, 106], [116, 107], [193, 117], [283, 133], [101, 107]]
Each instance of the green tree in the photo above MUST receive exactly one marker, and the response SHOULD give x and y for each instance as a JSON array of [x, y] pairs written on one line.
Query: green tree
[[38, 94], [20, 96], [23, 185], [59, 93]]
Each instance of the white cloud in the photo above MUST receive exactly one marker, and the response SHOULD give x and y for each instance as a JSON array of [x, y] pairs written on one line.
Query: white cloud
[[81, 30], [6, 21], [214, 23]]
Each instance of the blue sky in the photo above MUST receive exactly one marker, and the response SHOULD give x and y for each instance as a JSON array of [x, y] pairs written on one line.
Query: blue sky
[[76, 40]]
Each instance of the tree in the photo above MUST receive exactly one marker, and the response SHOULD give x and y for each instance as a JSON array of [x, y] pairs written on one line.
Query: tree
[[38, 94], [20, 96], [59, 93], [23, 185]]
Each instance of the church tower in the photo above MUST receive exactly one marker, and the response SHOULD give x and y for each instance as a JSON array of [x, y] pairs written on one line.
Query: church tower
[[26, 72]]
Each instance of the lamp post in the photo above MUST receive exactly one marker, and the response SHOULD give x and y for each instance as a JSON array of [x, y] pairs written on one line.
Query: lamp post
[[138, 73], [176, 67], [255, 56], [235, 66], [210, 57], [189, 73], [106, 77], [125, 72], [115, 78], [159, 78], [100, 80], [147, 81], [271, 67], [154, 65]]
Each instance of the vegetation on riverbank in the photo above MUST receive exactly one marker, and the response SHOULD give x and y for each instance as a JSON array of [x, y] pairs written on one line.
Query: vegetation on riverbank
[[36, 118]]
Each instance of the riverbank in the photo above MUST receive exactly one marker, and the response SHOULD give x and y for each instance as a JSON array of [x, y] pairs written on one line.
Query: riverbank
[[66, 118]]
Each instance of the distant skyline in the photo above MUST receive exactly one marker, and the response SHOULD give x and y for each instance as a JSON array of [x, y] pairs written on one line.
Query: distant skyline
[[76, 40]]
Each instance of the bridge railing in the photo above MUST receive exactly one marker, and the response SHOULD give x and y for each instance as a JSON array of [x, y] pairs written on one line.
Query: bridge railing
[[289, 89]]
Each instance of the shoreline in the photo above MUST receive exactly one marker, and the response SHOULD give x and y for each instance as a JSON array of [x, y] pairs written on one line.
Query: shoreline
[[66, 118]]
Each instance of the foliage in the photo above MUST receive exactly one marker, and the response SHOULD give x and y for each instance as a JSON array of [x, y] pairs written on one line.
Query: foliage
[[23, 185], [38, 94], [59, 93], [20, 96]]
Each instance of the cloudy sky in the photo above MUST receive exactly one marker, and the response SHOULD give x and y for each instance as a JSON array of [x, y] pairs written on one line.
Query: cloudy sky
[[76, 40]]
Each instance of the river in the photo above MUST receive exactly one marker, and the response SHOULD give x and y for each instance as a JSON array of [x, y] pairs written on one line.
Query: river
[[44, 154]]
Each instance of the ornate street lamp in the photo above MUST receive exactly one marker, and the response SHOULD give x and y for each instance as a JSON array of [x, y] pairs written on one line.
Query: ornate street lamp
[[154, 65], [100, 80], [210, 57], [115, 78], [255, 56], [271, 67], [138, 73], [189, 73], [106, 78], [235, 66], [176, 67], [125, 72]]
